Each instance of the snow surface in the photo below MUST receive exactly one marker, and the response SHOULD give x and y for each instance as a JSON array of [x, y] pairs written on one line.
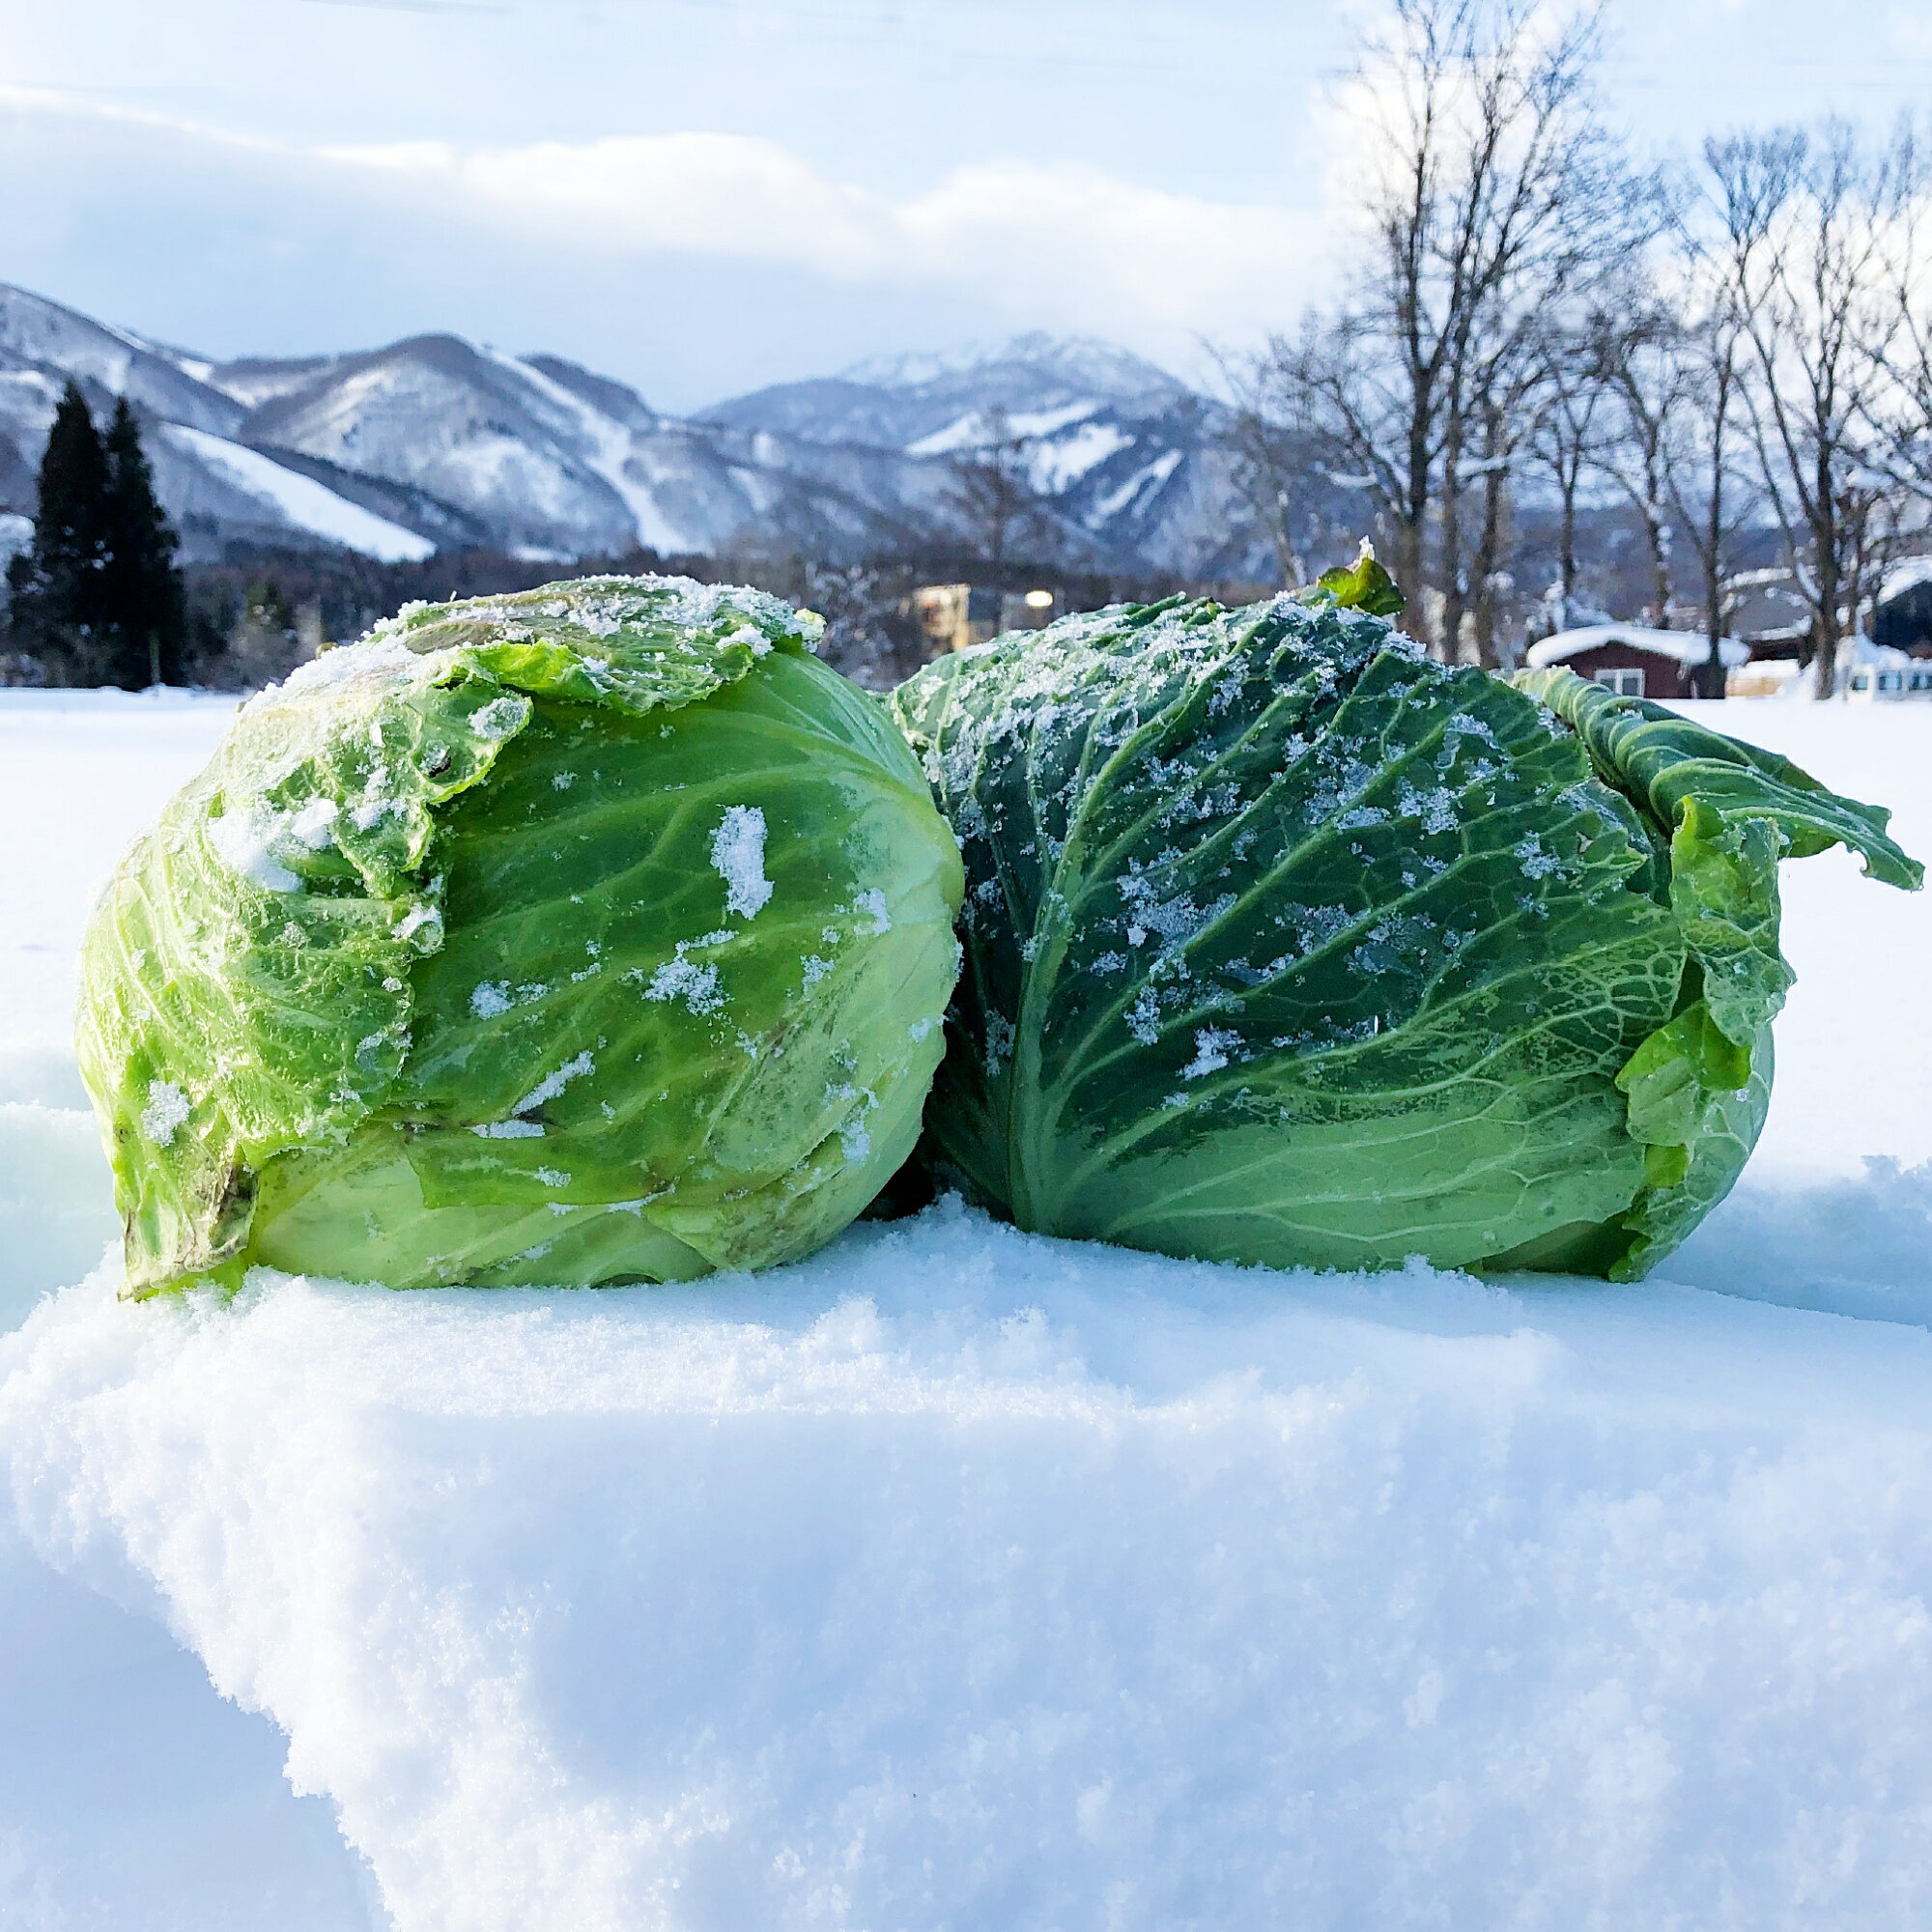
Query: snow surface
[[1908, 573], [961, 1578], [16, 533], [303, 501]]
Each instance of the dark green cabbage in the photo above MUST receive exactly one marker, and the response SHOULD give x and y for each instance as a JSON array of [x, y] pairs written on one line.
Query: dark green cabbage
[[1286, 944]]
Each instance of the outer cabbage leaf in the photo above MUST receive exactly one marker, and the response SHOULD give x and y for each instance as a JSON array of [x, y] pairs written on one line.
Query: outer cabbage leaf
[[593, 933], [1285, 944], [1699, 1088]]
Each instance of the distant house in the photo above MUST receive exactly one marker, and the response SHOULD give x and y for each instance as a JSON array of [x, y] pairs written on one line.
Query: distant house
[[954, 616], [1768, 612], [1637, 662], [1902, 618], [1765, 612]]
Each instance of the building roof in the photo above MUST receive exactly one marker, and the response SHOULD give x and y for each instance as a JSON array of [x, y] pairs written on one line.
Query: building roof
[[1685, 647], [1907, 574]]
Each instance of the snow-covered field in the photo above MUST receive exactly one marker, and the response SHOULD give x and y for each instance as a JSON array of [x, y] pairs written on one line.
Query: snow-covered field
[[957, 1579]]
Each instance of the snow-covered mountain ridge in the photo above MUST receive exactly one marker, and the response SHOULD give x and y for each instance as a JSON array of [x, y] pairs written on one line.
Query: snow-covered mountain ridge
[[433, 443]]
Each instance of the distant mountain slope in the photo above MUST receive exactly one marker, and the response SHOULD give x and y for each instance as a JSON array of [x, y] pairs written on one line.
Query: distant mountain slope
[[901, 402], [1129, 459], [433, 443], [36, 333], [216, 487]]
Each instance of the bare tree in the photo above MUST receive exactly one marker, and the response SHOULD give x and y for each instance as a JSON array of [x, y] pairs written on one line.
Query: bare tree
[[992, 493], [1902, 422], [1640, 362], [868, 634], [1805, 224], [1278, 467], [1708, 473], [1491, 188], [1505, 390], [1566, 436]]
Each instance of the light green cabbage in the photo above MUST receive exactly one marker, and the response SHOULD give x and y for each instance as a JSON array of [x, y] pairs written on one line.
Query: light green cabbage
[[1286, 944], [596, 933]]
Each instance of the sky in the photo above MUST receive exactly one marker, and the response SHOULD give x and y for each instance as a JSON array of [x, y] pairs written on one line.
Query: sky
[[703, 196]]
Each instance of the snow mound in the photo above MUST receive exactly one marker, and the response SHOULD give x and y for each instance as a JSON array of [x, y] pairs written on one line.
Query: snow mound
[[56, 1202], [1846, 1246], [132, 1799], [962, 1578]]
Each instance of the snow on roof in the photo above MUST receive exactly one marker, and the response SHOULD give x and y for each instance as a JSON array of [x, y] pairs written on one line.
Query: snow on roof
[[1686, 647], [1862, 649], [1908, 573]]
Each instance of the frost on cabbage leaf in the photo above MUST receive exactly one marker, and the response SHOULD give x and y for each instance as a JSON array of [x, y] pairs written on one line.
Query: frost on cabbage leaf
[[477, 954], [1285, 944]]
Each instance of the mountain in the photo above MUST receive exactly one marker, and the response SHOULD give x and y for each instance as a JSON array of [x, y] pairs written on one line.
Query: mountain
[[216, 487], [433, 443], [901, 402], [1129, 462]]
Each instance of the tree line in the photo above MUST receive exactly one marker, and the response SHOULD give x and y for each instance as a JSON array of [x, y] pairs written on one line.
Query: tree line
[[95, 598], [1532, 322]]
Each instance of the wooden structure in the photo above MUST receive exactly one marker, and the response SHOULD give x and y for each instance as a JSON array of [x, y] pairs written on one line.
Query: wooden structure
[[1637, 662]]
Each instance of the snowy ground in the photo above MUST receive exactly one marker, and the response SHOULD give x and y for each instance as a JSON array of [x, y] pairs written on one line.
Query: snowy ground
[[957, 1579]]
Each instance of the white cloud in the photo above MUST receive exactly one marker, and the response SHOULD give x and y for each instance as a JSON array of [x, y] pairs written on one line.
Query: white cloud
[[1061, 238], [695, 264], [728, 195], [1910, 33]]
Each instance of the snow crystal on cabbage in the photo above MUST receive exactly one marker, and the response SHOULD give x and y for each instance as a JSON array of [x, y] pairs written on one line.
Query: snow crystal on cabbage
[[1000, 1037], [690, 980], [854, 1137], [167, 1109], [552, 1085], [314, 825], [1537, 863], [738, 857], [1436, 808], [501, 717], [377, 803], [241, 839], [415, 920], [1212, 1048], [377, 657]]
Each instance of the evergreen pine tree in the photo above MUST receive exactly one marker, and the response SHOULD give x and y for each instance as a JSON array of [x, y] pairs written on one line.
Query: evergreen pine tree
[[56, 586], [144, 609]]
